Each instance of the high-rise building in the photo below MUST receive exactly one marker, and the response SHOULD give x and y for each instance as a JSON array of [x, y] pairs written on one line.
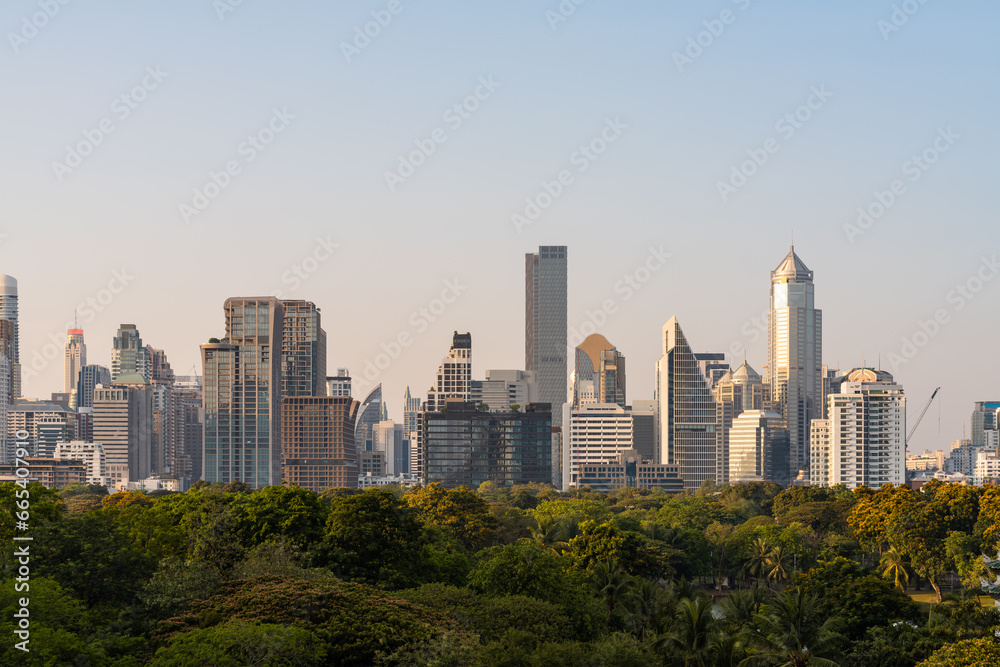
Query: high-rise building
[[599, 373], [863, 443], [685, 411], [713, 365], [242, 395], [340, 384], [303, 350], [644, 429], [75, 359], [46, 424], [8, 313], [594, 433], [504, 388], [5, 404], [128, 355], [89, 377], [388, 438], [372, 411], [735, 392], [189, 429], [411, 428], [984, 418], [758, 448], [546, 331], [8, 342], [123, 426], [464, 446], [317, 435], [454, 376], [794, 354], [159, 367]]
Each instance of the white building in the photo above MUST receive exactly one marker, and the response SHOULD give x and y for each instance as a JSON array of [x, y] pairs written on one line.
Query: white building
[[987, 467], [863, 443], [340, 385], [504, 388], [594, 433], [388, 438], [91, 454], [758, 448]]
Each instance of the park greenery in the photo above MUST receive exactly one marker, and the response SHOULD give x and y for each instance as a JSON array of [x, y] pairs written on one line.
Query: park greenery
[[748, 574]]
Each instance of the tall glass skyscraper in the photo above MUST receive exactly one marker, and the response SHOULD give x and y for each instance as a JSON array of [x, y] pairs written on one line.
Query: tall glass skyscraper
[[128, 355], [76, 358], [685, 410], [794, 355], [546, 333], [8, 312]]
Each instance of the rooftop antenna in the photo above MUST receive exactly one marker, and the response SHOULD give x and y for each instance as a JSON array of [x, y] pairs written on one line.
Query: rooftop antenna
[[76, 324]]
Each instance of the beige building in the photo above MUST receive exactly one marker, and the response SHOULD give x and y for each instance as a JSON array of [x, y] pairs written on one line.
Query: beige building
[[317, 442]]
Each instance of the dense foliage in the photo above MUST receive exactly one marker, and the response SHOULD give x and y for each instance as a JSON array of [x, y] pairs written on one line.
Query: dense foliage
[[749, 574]]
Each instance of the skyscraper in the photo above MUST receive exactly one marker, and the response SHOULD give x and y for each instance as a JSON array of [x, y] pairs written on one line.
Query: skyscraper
[[546, 333], [735, 392], [317, 434], [340, 384], [863, 442], [984, 418], [411, 428], [454, 376], [8, 312], [303, 350], [76, 358], [758, 448], [599, 373], [686, 410], [128, 355], [371, 412], [123, 425], [794, 354], [89, 377], [242, 395]]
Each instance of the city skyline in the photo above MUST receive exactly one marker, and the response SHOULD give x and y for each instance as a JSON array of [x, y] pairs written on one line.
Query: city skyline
[[960, 413], [568, 130]]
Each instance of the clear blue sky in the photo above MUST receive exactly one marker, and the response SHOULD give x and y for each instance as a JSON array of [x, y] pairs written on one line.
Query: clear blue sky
[[655, 185]]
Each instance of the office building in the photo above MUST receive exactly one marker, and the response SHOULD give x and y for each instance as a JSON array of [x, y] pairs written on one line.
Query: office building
[[89, 377], [159, 368], [463, 446], [128, 355], [686, 411], [303, 350], [794, 354], [504, 388], [454, 376], [594, 433], [317, 436], [735, 392], [962, 458], [987, 469], [8, 330], [546, 334], [8, 313], [984, 418], [630, 470], [372, 411], [371, 464], [389, 439], [91, 455], [644, 429], [340, 384], [50, 472], [123, 426], [75, 359], [599, 372], [758, 448], [863, 443], [713, 365], [190, 426], [46, 424]]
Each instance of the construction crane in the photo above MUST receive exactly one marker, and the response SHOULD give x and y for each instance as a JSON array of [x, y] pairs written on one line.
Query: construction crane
[[922, 413]]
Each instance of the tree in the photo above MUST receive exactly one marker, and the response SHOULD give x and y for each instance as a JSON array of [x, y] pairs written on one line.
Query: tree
[[719, 535], [756, 565], [691, 633], [236, 643], [894, 568], [610, 582], [794, 632], [461, 511], [373, 537], [967, 653], [290, 511], [776, 564], [597, 543]]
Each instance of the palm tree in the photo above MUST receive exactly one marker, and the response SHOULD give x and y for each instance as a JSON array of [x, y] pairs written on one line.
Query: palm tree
[[547, 533], [648, 602], [692, 633], [794, 635], [894, 567], [740, 607], [756, 565], [611, 583], [776, 564]]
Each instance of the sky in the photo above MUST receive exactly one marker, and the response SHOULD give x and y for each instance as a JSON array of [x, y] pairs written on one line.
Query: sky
[[383, 157]]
